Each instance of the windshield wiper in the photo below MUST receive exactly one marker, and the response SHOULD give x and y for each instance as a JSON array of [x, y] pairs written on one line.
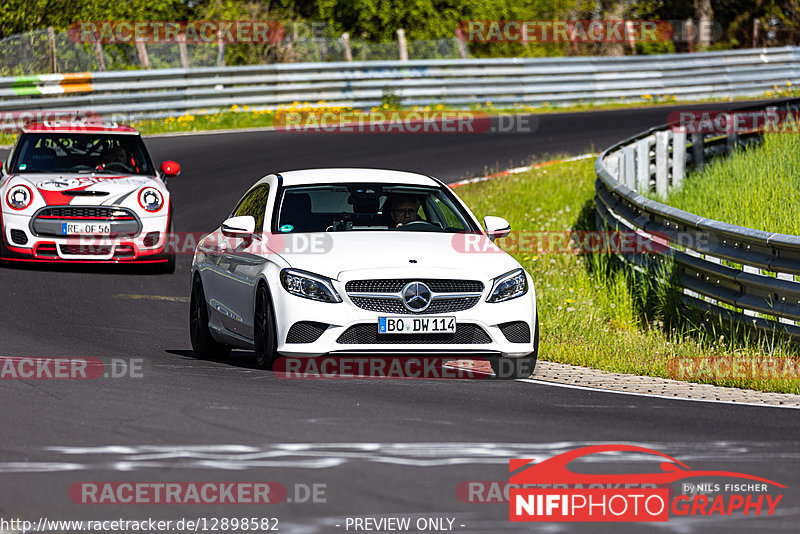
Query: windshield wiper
[[100, 171]]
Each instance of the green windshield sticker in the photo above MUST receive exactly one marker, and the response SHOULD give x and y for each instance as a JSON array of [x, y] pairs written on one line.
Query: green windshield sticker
[[286, 228]]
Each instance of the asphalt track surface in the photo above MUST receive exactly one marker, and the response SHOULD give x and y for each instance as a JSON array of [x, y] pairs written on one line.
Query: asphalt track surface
[[382, 448]]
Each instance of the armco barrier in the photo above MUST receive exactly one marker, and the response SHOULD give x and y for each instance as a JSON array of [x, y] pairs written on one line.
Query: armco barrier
[[154, 93], [740, 274]]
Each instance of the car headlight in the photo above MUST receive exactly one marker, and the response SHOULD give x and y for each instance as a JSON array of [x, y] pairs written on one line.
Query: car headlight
[[509, 286], [150, 199], [309, 285], [19, 197]]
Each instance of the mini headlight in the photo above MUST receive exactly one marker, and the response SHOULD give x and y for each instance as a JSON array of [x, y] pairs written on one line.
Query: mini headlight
[[150, 199], [509, 286], [309, 285], [19, 197]]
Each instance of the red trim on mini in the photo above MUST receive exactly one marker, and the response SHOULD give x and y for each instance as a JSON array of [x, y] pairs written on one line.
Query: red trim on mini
[[112, 218], [59, 260]]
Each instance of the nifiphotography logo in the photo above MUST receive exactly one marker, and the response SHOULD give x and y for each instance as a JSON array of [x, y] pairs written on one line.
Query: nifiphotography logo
[[571, 496]]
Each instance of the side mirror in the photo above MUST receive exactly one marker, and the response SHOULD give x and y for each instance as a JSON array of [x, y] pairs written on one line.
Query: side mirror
[[170, 169], [496, 227], [244, 226]]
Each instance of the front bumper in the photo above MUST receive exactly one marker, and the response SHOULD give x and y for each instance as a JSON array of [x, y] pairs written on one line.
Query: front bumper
[[347, 329], [139, 248]]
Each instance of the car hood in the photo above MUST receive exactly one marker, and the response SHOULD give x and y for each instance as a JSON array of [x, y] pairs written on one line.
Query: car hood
[[394, 253], [87, 189]]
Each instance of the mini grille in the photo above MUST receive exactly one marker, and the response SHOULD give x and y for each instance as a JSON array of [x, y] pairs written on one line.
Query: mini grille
[[85, 250], [444, 305], [78, 212], [396, 285], [305, 332], [516, 332], [47, 249], [367, 334], [19, 237]]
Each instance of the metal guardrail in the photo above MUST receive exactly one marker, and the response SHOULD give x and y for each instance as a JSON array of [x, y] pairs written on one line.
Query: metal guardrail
[[740, 274], [453, 82]]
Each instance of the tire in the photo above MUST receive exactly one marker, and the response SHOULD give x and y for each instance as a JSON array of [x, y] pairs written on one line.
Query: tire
[[203, 343], [266, 339], [522, 367]]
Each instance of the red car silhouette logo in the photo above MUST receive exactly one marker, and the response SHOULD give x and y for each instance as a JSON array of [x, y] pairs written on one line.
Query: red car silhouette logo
[[554, 470]]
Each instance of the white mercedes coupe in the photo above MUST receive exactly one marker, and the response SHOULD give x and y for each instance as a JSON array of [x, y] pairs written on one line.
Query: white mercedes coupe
[[361, 262]]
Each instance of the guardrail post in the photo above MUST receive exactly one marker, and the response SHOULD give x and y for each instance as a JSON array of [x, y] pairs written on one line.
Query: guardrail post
[[220, 49], [348, 52], [98, 52], [612, 163], [733, 141], [182, 51], [461, 43], [678, 158], [51, 41], [629, 166], [698, 150], [402, 45], [643, 164], [141, 49], [662, 163]]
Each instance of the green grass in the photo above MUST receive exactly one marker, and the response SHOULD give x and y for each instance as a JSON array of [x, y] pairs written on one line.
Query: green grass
[[757, 187], [594, 313]]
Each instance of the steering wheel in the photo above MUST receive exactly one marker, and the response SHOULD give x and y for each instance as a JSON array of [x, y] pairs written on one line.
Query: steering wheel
[[119, 166], [418, 225]]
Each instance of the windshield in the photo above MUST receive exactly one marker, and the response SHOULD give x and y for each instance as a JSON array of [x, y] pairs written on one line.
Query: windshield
[[366, 206], [67, 152]]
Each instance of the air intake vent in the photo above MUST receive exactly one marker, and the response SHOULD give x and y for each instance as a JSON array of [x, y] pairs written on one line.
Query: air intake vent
[[305, 332], [19, 237], [516, 332]]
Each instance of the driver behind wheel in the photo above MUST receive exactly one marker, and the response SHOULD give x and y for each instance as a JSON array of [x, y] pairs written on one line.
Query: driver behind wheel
[[118, 154], [403, 210]]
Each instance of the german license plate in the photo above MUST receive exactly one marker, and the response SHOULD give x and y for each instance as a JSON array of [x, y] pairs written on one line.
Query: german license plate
[[416, 325], [85, 228]]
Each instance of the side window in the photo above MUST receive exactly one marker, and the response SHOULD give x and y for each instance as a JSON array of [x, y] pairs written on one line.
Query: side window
[[450, 219], [254, 204]]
